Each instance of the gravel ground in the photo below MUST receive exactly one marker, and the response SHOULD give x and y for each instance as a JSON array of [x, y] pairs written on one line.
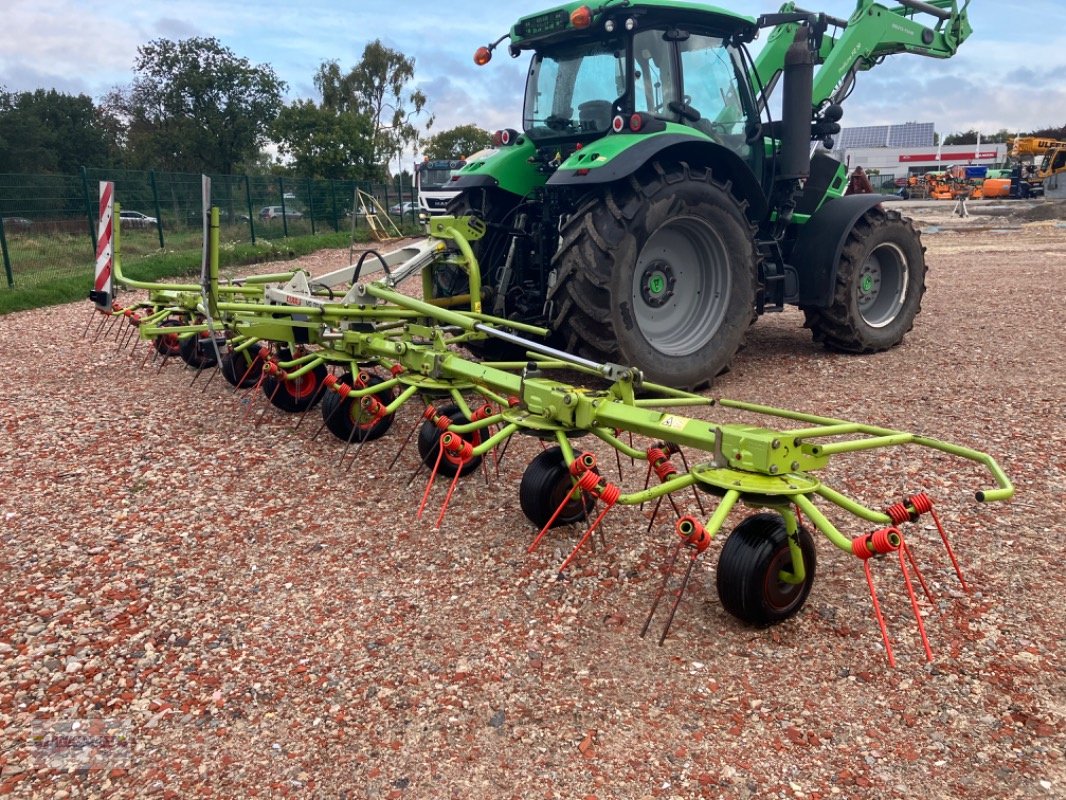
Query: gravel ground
[[228, 612]]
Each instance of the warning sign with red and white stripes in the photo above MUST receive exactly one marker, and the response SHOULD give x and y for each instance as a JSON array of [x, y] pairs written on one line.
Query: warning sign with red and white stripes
[[105, 251]]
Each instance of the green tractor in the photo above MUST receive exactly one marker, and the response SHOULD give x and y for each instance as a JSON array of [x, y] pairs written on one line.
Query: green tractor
[[651, 207]]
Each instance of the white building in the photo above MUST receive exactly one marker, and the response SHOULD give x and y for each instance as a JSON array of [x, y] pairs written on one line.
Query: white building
[[888, 152]]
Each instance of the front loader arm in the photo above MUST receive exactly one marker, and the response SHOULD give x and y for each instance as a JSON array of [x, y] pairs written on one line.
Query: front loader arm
[[872, 32]]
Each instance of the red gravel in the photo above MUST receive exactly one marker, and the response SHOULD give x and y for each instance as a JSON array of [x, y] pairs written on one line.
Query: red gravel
[[252, 620]]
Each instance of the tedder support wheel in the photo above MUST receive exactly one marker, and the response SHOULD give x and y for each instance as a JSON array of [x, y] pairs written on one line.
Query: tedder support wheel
[[195, 355], [750, 566], [879, 286], [298, 394], [168, 345], [658, 272], [346, 418], [545, 483], [242, 369], [429, 444]]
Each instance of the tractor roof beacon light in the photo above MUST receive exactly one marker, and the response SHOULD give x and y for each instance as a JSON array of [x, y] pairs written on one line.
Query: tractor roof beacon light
[[581, 17], [483, 55]]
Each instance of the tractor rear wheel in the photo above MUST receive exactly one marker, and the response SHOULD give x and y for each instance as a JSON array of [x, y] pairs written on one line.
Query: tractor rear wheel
[[658, 272], [879, 286]]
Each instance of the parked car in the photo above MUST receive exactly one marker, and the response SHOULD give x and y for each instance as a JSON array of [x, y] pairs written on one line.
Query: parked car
[[405, 208], [135, 219], [276, 212], [17, 223]]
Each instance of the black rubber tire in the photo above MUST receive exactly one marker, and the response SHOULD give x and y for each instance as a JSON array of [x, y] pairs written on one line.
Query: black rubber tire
[[879, 286], [342, 417], [242, 369], [648, 231], [753, 555], [195, 356], [545, 482], [296, 396], [168, 345], [429, 444]]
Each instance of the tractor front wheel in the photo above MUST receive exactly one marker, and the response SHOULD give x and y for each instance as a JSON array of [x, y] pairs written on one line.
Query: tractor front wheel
[[751, 567], [879, 286], [657, 272]]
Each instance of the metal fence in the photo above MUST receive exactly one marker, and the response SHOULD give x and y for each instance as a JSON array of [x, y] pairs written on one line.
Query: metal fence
[[48, 222]]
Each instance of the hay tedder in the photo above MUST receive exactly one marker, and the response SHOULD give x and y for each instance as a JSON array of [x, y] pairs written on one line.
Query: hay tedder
[[362, 350]]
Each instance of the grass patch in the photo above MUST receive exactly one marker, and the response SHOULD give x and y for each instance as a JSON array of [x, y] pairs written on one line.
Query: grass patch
[[34, 290]]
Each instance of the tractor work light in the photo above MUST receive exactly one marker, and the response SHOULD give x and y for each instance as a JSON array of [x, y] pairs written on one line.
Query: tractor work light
[[482, 56], [631, 23], [581, 17], [609, 26]]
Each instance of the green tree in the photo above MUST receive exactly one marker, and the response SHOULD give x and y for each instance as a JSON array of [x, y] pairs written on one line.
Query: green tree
[[195, 106], [46, 131], [378, 89], [458, 142], [324, 142], [1050, 133], [970, 137]]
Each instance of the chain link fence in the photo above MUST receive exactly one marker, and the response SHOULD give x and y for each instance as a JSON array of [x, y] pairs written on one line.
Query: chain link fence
[[48, 222]]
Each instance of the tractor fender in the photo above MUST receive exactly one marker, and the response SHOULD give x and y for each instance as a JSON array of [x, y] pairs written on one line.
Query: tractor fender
[[725, 164], [820, 241]]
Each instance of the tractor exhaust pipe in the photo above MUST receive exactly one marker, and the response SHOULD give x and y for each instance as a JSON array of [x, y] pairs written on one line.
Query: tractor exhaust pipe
[[795, 157]]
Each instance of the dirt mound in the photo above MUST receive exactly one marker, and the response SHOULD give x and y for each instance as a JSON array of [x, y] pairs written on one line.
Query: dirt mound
[[1048, 210]]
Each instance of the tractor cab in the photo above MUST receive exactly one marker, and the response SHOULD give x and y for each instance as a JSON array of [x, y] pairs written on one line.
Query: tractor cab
[[635, 70]]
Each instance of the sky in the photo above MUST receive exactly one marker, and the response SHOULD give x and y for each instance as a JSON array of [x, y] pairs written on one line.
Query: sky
[[1006, 75]]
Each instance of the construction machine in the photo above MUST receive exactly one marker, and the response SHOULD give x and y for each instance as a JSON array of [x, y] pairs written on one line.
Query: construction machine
[[651, 206]]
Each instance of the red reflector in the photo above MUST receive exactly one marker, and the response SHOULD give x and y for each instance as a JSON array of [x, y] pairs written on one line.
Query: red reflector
[[505, 137], [582, 171], [617, 124], [636, 122]]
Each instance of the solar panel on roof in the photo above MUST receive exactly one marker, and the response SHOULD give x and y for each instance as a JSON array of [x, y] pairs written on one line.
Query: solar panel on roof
[[909, 134]]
